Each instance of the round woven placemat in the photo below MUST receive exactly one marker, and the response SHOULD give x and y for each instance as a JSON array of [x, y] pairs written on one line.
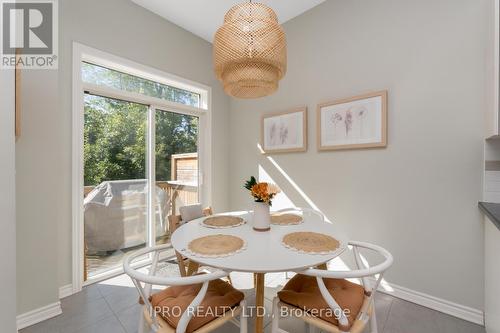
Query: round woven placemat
[[311, 242], [223, 221], [286, 219], [216, 246]]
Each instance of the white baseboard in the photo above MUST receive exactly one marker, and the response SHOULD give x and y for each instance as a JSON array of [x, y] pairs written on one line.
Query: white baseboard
[[65, 291], [38, 315], [453, 309], [46, 312]]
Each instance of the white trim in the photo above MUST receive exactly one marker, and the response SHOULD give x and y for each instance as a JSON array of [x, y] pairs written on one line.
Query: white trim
[[77, 171], [496, 67], [151, 175], [120, 64], [85, 53], [119, 270], [435, 303], [163, 104], [205, 154], [108, 274], [38, 315], [493, 69], [65, 291]]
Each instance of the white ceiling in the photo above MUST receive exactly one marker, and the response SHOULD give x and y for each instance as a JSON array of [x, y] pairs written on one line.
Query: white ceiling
[[203, 17]]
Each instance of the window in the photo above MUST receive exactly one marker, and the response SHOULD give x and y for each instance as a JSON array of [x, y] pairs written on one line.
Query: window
[[115, 178], [114, 140], [176, 149], [100, 75], [142, 144]]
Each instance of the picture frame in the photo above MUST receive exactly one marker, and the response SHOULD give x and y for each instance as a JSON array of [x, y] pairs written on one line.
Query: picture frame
[[358, 122], [284, 132]]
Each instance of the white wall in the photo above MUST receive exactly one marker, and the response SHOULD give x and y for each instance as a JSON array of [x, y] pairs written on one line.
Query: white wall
[[7, 203], [418, 197], [38, 190], [44, 153], [492, 277]]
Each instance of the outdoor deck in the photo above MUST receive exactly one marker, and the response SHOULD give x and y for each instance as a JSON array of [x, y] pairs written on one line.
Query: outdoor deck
[[178, 194]]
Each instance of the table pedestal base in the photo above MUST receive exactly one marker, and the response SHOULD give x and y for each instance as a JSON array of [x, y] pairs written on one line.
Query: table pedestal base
[[259, 281]]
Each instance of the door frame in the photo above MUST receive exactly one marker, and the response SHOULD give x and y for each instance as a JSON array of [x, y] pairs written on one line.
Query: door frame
[[85, 53]]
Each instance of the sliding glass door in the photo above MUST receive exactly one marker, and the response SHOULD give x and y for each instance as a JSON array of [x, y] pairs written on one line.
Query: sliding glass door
[[176, 155], [115, 180], [140, 164]]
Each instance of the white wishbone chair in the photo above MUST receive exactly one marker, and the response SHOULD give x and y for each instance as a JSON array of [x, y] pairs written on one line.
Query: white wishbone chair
[[186, 266], [365, 294], [144, 282], [305, 212]]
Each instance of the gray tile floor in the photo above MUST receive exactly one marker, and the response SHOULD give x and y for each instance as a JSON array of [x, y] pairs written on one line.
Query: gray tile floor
[[111, 307]]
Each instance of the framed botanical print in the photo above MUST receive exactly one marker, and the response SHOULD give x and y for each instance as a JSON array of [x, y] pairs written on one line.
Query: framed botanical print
[[284, 132], [353, 123]]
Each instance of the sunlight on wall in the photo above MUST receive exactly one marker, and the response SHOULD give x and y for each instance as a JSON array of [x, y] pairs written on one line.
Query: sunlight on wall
[[290, 180], [284, 202], [336, 264], [281, 200]]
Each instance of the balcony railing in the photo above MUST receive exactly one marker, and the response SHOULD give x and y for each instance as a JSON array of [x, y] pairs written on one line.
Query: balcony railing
[[181, 190], [178, 193]]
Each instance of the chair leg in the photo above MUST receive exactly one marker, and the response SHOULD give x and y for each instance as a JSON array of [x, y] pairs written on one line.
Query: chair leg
[[373, 322], [182, 265], [323, 266], [142, 324], [192, 268], [243, 317], [275, 316], [311, 328]]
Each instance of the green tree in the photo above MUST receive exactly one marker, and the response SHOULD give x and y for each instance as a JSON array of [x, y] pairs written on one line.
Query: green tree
[[115, 132], [175, 134], [115, 140]]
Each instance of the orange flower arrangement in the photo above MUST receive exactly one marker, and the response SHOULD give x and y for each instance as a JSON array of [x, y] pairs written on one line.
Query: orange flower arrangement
[[262, 192]]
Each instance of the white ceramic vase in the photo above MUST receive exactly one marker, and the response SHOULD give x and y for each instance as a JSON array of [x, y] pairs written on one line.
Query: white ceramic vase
[[261, 216]]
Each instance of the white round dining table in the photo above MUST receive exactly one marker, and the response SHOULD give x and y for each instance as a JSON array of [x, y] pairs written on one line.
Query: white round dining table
[[264, 251]]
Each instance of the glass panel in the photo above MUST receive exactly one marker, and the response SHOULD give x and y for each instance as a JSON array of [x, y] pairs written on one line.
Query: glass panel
[[176, 153], [107, 77], [115, 193]]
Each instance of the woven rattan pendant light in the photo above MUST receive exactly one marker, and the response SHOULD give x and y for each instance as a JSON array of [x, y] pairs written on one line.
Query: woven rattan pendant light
[[250, 51]]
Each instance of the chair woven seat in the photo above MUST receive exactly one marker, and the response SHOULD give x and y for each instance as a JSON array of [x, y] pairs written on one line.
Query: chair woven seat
[[303, 292], [173, 301]]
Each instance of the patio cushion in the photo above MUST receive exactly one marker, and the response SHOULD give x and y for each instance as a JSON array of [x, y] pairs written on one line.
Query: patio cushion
[[303, 292], [191, 212], [171, 303]]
